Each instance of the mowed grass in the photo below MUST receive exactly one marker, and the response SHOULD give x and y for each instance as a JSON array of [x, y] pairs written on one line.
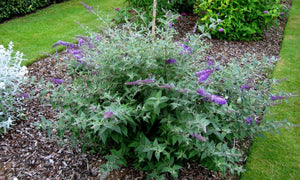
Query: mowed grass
[[278, 156], [35, 33]]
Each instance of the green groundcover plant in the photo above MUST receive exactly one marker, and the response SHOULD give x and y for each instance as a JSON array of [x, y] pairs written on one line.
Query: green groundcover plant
[[159, 103], [242, 19], [11, 77]]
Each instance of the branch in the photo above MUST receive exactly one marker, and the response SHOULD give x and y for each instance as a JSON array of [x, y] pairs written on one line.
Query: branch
[[154, 16]]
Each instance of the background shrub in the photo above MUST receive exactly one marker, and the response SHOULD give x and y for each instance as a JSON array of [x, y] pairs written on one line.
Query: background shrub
[[242, 20], [11, 8], [11, 77], [148, 99], [134, 9], [178, 6]]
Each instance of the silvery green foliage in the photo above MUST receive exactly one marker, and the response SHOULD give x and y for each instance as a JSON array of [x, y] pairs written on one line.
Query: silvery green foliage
[[206, 28], [11, 77], [148, 98]]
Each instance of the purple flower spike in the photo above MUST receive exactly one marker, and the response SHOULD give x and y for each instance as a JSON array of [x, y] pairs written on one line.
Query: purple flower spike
[[63, 43], [87, 6], [167, 86], [219, 100], [179, 18], [57, 81], [221, 30], [199, 137], [108, 114], [98, 37], [203, 75], [170, 61], [80, 42], [117, 9], [183, 14], [81, 62], [266, 12], [132, 83], [281, 13], [245, 87], [248, 120], [146, 81], [91, 46], [201, 92], [274, 98], [186, 49], [171, 24]]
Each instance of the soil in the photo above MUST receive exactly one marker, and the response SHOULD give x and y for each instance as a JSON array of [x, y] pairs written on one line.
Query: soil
[[27, 152]]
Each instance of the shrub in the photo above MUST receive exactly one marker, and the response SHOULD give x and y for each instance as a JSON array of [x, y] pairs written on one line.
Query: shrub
[[149, 99], [242, 20], [135, 9], [10, 8], [179, 6], [11, 77]]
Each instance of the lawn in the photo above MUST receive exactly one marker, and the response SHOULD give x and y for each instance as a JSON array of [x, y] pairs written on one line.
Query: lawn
[[38, 31], [278, 156]]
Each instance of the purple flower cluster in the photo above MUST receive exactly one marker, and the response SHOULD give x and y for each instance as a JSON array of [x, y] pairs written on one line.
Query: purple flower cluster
[[203, 75], [274, 98], [248, 120], [80, 42], [186, 49], [76, 52], [63, 43], [266, 12], [170, 61], [108, 114], [199, 137], [57, 81], [245, 87], [212, 98], [140, 82]]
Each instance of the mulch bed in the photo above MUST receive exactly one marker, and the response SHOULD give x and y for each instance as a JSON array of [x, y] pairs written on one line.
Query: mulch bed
[[27, 152]]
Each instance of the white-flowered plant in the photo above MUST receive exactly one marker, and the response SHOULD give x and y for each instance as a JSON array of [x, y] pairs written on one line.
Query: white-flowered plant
[[11, 77]]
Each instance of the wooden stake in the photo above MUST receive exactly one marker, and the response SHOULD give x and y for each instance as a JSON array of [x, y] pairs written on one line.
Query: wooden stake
[[154, 17]]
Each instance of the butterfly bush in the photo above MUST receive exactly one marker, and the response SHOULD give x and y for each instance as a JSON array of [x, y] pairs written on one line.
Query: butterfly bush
[[11, 77], [159, 102]]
